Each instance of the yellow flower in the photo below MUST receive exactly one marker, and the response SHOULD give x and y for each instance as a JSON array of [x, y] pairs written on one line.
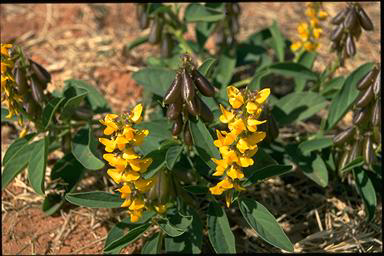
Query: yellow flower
[[127, 202], [137, 204], [139, 137], [220, 168], [235, 173], [125, 190], [230, 157], [245, 161], [227, 116], [135, 114], [262, 95], [116, 161], [225, 140], [314, 22], [235, 97], [302, 28], [310, 12], [309, 46], [129, 176], [130, 154], [110, 145], [23, 132], [161, 208], [115, 174], [237, 126], [221, 187], [317, 32], [228, 199], [255, 138], [296, 46], [4, 49], [323, 15], [253, 123], [109, 122], [143, 185], [136, 215]]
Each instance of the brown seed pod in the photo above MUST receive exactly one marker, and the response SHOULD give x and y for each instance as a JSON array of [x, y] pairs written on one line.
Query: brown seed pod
[[356, 150], [350, 46], [30, 106], [376, 114], [163, 187], [343, 160], [142, 16], [364, 20], [37, 91], [82, 113], [203, 84], [356, 32], [337, 33], [187, 135], [377, 85], [365, 98], [21, 81], [192, 106], [361, 118], [174, 91], [155, 32], [188, 87], [368, 153], [339, 18], [177, 126], [41, 73], [366, 80], [350, 19], [205, 113], [174, 110], [166, 46], [344, 136]]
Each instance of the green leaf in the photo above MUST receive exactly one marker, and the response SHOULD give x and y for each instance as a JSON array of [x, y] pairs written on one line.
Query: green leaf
[[15, 148], [306, 59], [175, 224], [291, 69], [52, 203], [348, 94], [297, 106], [367, 191], [172, 155], [219, 231], [197, 12], [278, 41], [193, 189], [83, 150], [315, 144], [318, 173], [225, 69], [203, 30], [152, 245], [71, 104], [266, 172], [138, 41], [206, 68], [255, 83], [5, 112], [16, 164], [265, 224], [158, 162], [159, 130], [95, 199], [37, 166], [50, 110], [359, 161], [130, 237], [333, 86], [156, 80]]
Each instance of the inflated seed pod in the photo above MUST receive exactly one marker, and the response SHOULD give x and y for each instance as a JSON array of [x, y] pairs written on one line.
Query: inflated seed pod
[[337, 33], [368, 153], [343, 160], [376, 114], [174, 91], [41, 73], [361, 118], [365, 98], [66, 143], [163, 187], [37, 91], [344, 136], [356, 150], [366, 80], [166, 46], [377, 85], [177, 126], [350, 19], [187, 135], [364, 20], [82, 113], [174, 110], [188, 86], [203, 84], [350, 46], [192, 106], [155, 32], [21, 81], [339, 18], [356, 32], [205, 113]]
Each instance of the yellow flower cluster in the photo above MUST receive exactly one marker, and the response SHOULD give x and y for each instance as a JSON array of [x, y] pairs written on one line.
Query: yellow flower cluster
[[9, 94], [310, 31], [239, 144], [128, 166]]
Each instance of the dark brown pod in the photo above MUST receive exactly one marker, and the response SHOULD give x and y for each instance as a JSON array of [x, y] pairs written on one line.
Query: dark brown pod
[[174, 91], [166, 46], [356, 32], [337, 33], [203, 84], [365, 98], [144, 20], [82, 113], [37, 91], [21, 81], [41, 73], [205, 113], [356, 150], [350, 45], [177, 126], [366, 80], [155, 32], [174, 110], [362, 117], [368, 153], [193, 107], [188, 86], [343, 160], [30, 106], [343, 136], [376, 114], [187, 135], [338, 19], [350, 19], [377, 85], [365, 21], [163, 187]]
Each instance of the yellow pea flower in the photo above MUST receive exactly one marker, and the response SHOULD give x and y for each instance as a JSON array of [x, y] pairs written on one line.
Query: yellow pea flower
[[130, 176], [237, 126], [4, 49], [235, 173], [226, 184], [110, 123], [136, 215], [302, 28], [314, 22], [116, 161], [309, 46], [135, 114], [227, 116], [220, 168], [263, 95], [127, 202], [317, 32], [296, 46], [255, 138], [216, 190], [125, 190], [161, 208], [110, 145], [310, 12], [139, 137], [235, 97], [143, 185], [253, 123], [245, 161], [130, 154], [115, 174], [230, 157], [137, 204], [23, 132], [323, 15], [224, 138]]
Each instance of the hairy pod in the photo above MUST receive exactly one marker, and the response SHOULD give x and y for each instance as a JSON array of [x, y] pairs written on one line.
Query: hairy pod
[[205, 113], [350, 46], [337, 33], [174, 91], [37, 91], [361, 118], [366, 80], [203, 84], [82, 113], [188, 87], [365, 98], [344, 136], [174, 110], [193, 107], [368, 153], [377, 85], [21, 81], [177, 126], [350, 19], [339, 18], [166, 46], [155, 32], [41, 73], [343, 160], [356, 150], [66, 143], [376, 114], [187, 135], [364, 20]]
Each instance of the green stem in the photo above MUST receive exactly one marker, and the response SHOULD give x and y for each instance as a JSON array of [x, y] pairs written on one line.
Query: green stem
[[242, 82]]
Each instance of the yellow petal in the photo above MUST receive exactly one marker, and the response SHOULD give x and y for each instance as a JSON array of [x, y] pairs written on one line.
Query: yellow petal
[[227, 116], [135, 115], [216, 190], [235, 173], [135, 216], [143, 185], [235, 97], [130, 154], [225, 184], [228, 199], [263, 95], [237, 126], [125, 189], [115, 174], [161, 208], [296, 46], [110, 145], [130, 176], [137, 204], [109, 130], [127, 202], [245, 161]]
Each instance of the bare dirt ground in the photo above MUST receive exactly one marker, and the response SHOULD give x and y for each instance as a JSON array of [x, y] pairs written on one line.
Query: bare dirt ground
[[85, 41]]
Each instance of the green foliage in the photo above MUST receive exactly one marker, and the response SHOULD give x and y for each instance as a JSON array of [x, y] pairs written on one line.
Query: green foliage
[[37, 165], [96, 199]]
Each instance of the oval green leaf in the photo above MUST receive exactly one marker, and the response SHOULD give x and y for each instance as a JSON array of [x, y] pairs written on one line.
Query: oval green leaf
[[315, 144], [172, 155], [15, 148], [367, 191], [197, 12], [152, 245], [50, 110], [37, 166], [156, 80], [266, 172], [95, 199], [278, 41]]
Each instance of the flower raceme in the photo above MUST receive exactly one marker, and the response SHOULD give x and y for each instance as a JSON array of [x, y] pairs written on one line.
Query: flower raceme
[[127, 165], [239, 144]]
